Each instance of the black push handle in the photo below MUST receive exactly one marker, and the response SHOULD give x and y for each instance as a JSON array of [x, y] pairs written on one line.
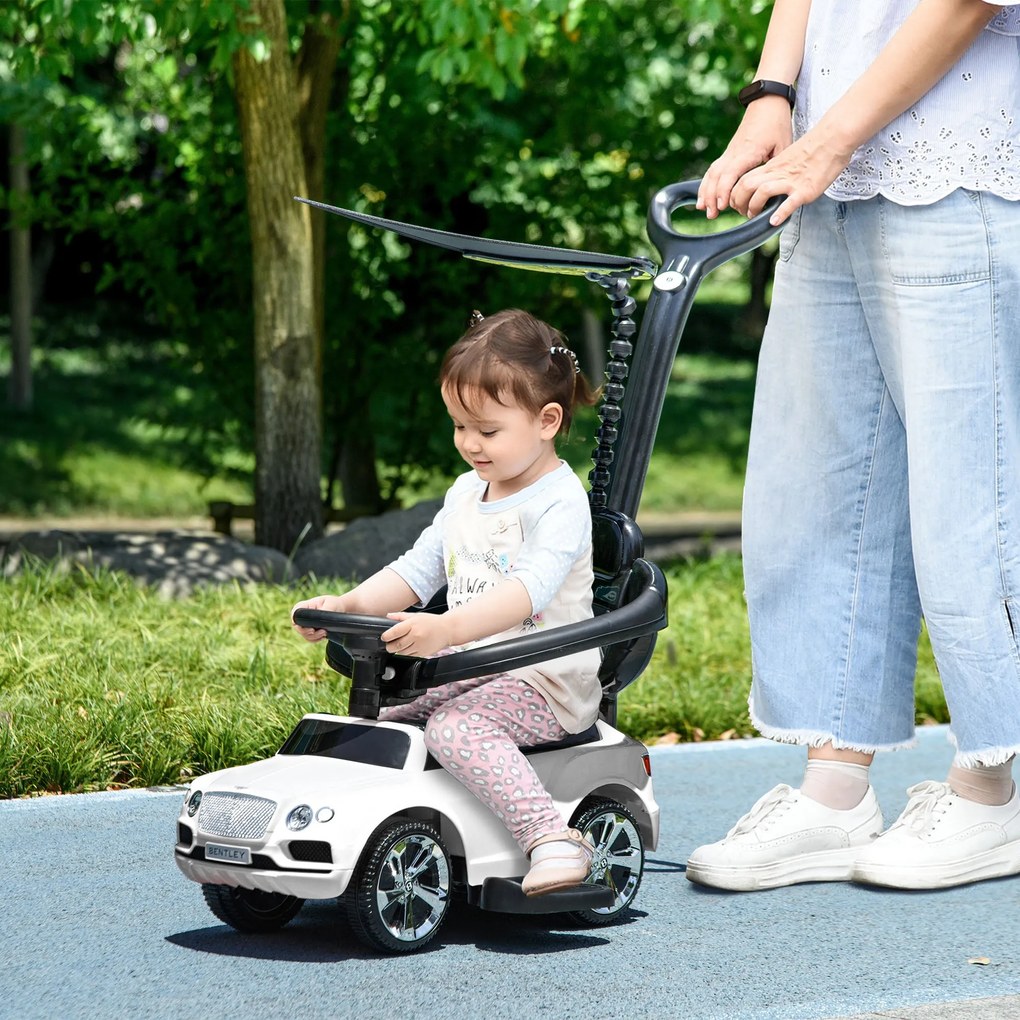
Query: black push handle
[[708, 250]]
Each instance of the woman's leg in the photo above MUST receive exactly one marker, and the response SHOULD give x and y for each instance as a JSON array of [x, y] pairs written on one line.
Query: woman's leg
[[832, 601], [942, 284], [947, 285]]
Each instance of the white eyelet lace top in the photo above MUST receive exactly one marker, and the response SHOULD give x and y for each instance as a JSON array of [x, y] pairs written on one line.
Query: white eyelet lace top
[[964, 133]]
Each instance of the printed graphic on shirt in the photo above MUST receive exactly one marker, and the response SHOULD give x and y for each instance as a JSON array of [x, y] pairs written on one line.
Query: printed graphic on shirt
[[470, 572]]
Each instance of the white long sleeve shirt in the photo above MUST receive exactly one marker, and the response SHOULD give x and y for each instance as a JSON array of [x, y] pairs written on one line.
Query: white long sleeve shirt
[[540, 536], [963, 133]]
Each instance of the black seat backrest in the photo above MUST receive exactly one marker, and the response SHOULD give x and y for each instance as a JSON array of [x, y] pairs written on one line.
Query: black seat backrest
[[616, 543]]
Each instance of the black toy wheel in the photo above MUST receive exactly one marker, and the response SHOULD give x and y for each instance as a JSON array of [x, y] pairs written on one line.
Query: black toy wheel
[[400, 890], [619, 860], [250, 909]]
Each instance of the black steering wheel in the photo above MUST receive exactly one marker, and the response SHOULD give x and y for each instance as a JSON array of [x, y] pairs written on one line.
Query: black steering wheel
[[340, 627]]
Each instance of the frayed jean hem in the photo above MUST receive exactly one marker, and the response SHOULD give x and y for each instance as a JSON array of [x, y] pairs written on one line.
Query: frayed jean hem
[[986, 757], [819, 738]]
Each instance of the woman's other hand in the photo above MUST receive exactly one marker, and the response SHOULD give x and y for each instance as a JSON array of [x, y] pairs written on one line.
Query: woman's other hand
[[765, 131]]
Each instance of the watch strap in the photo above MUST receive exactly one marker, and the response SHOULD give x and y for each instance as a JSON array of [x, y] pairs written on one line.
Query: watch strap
[[763, 87]]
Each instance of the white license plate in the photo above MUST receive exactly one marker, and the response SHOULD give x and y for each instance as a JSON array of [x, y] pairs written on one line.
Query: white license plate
[[228, 854]]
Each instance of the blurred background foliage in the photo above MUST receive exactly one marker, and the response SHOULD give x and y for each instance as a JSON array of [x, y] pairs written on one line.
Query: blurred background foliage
[[551, 122]]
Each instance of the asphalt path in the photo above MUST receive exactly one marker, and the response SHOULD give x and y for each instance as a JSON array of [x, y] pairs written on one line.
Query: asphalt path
[[97, 922]]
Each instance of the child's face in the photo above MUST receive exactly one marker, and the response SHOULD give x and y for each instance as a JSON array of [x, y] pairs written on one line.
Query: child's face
[[509, 447]]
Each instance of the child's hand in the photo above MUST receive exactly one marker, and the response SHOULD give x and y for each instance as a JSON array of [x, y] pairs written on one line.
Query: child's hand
[[332, 603], [421, 634]]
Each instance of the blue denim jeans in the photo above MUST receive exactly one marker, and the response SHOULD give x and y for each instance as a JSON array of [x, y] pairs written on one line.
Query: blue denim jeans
[[883, 478]]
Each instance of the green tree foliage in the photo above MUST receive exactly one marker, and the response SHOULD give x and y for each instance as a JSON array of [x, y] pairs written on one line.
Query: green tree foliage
[[599, 106], [548, 122]]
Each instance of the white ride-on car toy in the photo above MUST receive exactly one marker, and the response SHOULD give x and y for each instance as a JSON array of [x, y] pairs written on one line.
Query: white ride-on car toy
[[354, 807]]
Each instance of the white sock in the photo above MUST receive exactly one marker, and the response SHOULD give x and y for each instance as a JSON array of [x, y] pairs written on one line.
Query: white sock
[[984, 784], [836, 784]]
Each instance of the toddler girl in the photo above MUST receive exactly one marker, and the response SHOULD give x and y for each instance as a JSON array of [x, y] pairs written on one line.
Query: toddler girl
[[512, 543]]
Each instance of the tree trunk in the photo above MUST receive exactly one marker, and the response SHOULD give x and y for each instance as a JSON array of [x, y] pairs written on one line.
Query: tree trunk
[[288, 429], [20, 382], [353, 462], [356, 471], [316, 69]]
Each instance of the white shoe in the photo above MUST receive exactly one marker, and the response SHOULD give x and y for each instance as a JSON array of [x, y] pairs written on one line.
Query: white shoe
[[787, 838], [558, 861], [942, 839]]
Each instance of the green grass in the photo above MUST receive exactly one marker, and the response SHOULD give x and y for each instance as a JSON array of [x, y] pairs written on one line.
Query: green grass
[[104, 685]]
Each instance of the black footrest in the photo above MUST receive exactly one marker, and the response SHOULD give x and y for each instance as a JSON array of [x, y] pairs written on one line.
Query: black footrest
[[505, 896]]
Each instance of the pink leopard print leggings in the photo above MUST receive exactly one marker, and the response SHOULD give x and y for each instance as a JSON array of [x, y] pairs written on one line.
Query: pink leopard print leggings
[[475, 729]]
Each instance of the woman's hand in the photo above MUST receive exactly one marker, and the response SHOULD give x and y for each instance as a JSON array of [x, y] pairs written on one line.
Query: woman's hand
[[801, 172], [331, 603], [765, 131]]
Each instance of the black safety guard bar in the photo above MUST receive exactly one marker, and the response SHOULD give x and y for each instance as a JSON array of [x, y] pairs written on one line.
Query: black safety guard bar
[[404, 677]]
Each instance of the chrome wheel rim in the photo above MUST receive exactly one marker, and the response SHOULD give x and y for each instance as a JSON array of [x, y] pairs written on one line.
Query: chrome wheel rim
[[618, 859], [413, 890]]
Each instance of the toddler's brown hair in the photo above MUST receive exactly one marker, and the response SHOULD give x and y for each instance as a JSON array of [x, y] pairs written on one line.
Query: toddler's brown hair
[[511, 355]]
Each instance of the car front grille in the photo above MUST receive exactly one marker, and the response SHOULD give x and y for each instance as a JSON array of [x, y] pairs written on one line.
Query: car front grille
[[238, 815]]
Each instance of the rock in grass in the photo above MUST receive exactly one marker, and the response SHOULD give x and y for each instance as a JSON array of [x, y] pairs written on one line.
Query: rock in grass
[[175, 563], [366, 545]]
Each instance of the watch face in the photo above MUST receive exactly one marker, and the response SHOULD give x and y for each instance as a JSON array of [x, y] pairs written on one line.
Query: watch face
[[749, 92]]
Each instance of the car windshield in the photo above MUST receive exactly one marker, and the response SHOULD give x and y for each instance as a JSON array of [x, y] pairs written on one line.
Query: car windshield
[[370, 745]]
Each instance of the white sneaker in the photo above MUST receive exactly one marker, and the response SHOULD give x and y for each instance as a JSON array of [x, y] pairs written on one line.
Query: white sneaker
[[942, 839], [787, 838]]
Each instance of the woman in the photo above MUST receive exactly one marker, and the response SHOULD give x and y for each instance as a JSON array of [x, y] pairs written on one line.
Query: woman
[[883, 478]]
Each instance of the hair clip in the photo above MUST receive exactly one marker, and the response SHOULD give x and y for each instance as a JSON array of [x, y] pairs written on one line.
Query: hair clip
[[475, 318], [569, 353]]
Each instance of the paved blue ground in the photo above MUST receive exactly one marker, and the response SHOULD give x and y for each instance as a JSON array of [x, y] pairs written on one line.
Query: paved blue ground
[[98, 922]]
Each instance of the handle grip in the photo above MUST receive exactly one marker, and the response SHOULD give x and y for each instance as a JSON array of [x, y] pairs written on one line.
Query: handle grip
[[708, 249]]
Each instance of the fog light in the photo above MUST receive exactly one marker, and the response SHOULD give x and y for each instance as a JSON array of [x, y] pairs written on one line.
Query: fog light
[[299, 818], [194, 802]]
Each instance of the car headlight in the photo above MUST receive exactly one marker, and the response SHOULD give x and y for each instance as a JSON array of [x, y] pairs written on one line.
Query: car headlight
[[299, 818], [193, 803]]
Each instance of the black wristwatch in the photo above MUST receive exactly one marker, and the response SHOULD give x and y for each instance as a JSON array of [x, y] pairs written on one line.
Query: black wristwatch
[[749, 93]]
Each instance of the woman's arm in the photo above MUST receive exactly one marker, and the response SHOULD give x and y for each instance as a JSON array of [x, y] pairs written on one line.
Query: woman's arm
[[932, 39], [765, 129]]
